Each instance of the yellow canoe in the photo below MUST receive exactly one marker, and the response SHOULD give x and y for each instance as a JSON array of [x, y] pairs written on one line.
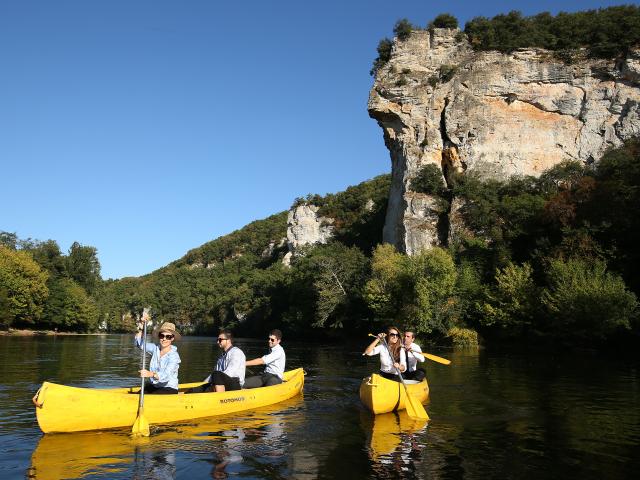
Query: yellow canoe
[[60, 408], [382, 396], [106, 453]]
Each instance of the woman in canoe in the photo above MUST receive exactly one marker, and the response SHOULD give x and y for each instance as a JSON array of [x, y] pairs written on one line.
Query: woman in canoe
[[165, 361], [389, 364]]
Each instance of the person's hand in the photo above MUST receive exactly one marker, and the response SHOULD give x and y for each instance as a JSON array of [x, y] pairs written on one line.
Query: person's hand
[[381, 336], [146, 373]]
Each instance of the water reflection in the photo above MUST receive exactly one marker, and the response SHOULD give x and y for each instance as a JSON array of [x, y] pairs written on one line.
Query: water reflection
[[395, 442], [231, 444]]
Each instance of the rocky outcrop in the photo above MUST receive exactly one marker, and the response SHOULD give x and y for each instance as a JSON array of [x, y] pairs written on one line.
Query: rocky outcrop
[[306, 227], [493, 114]]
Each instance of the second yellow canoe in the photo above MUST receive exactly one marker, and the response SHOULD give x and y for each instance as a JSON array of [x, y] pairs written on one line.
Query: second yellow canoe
[[382, 396]]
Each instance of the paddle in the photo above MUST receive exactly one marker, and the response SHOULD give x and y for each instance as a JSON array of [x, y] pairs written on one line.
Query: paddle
[[141, 425], [414, 408], [435, 358]]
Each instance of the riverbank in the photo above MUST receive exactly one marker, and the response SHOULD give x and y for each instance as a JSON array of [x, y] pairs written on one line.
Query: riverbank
[[28, 333]]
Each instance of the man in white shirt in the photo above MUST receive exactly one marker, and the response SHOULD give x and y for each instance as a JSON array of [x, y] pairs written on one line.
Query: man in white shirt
[[229, 371], [414, 355], [274, 363]]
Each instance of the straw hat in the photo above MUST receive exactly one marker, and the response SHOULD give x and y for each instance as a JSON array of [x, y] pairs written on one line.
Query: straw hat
[[167, 327]]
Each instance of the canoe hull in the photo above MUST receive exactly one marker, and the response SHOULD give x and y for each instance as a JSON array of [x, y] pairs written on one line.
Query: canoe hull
[[71, 409], [380, 395]]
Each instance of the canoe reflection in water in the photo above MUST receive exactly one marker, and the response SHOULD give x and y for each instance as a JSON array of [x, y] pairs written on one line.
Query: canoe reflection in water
[[395, 442], [229, 444]]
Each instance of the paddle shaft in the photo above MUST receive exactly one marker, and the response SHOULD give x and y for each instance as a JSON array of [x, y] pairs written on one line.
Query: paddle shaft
[[144, 358]]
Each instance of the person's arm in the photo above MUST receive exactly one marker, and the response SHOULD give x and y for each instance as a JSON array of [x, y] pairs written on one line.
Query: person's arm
[[416, 351], [254, 362], [370, 349], [402, 364], [149, 348]]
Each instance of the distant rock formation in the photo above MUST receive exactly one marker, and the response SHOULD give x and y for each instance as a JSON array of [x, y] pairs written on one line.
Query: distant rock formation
[[494, 114], [305, 227]]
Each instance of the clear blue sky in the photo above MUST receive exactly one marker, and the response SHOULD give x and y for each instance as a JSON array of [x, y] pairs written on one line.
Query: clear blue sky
[[147, 128]]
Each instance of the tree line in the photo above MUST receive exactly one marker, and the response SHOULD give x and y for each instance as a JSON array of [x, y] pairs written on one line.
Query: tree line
[[551, 258]]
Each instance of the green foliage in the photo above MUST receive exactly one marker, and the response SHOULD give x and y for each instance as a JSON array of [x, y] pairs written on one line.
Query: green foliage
[[385, 46], [511, 302], [429, 180], [463, 337], [606, 32], [402, 29], [433, 274], [83, 266], [444, 20], [585, 301], [24, 288], [416, 292], [69, 307], [447, 72]]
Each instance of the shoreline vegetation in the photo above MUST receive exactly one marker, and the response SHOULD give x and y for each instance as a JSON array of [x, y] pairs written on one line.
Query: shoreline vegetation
[[540, 260], [19, 332]]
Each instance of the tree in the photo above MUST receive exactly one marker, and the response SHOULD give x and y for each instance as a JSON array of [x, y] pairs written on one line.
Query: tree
[[69, 307], [444, 20], [586, 302], [433, 275], [389, 285], [83, 266], [402, 29], [25, 285], [511, 302]]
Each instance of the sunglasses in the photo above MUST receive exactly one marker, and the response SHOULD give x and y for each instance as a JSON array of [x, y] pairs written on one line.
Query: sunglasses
[[168, 336], [394, 334], [221, 339], [271, 339]]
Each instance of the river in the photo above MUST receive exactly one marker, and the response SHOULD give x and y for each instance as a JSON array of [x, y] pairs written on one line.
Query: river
[[493, 415]]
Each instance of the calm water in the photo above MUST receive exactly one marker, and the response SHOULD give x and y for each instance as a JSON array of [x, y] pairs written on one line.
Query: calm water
[[493, 416]]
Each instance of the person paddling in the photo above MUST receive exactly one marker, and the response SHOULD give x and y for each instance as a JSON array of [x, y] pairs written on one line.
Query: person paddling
[[165, 361], [389, 363]]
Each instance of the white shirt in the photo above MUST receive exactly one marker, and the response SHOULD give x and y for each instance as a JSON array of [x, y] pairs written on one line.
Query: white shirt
[[274, 361], [386, 362], [414, 357], [232, 363]]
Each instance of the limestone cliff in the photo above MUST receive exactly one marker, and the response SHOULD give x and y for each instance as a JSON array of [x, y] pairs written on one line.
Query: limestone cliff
[[494, 114], [306, 227]]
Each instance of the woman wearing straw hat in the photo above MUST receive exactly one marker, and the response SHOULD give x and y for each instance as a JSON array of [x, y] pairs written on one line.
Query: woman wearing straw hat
[[165, 361]]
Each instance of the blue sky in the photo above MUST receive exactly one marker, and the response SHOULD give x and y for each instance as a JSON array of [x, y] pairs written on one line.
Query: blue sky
[[147, 128]]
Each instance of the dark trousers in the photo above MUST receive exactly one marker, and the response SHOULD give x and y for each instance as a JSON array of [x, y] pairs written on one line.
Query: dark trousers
[[218, 378], [417, 375], [264, 380], [150, 388]]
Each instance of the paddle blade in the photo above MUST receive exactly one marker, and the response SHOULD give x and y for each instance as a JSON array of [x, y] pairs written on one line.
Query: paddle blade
[[436, 358], [414, 408], [140, 426]]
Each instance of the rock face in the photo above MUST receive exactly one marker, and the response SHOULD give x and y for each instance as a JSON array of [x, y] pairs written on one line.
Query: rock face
[[493, 114], [305, 227]]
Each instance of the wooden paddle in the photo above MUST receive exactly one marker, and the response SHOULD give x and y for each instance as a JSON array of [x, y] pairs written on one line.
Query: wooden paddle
[[414, 408], [141, 425], [435, 358]]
